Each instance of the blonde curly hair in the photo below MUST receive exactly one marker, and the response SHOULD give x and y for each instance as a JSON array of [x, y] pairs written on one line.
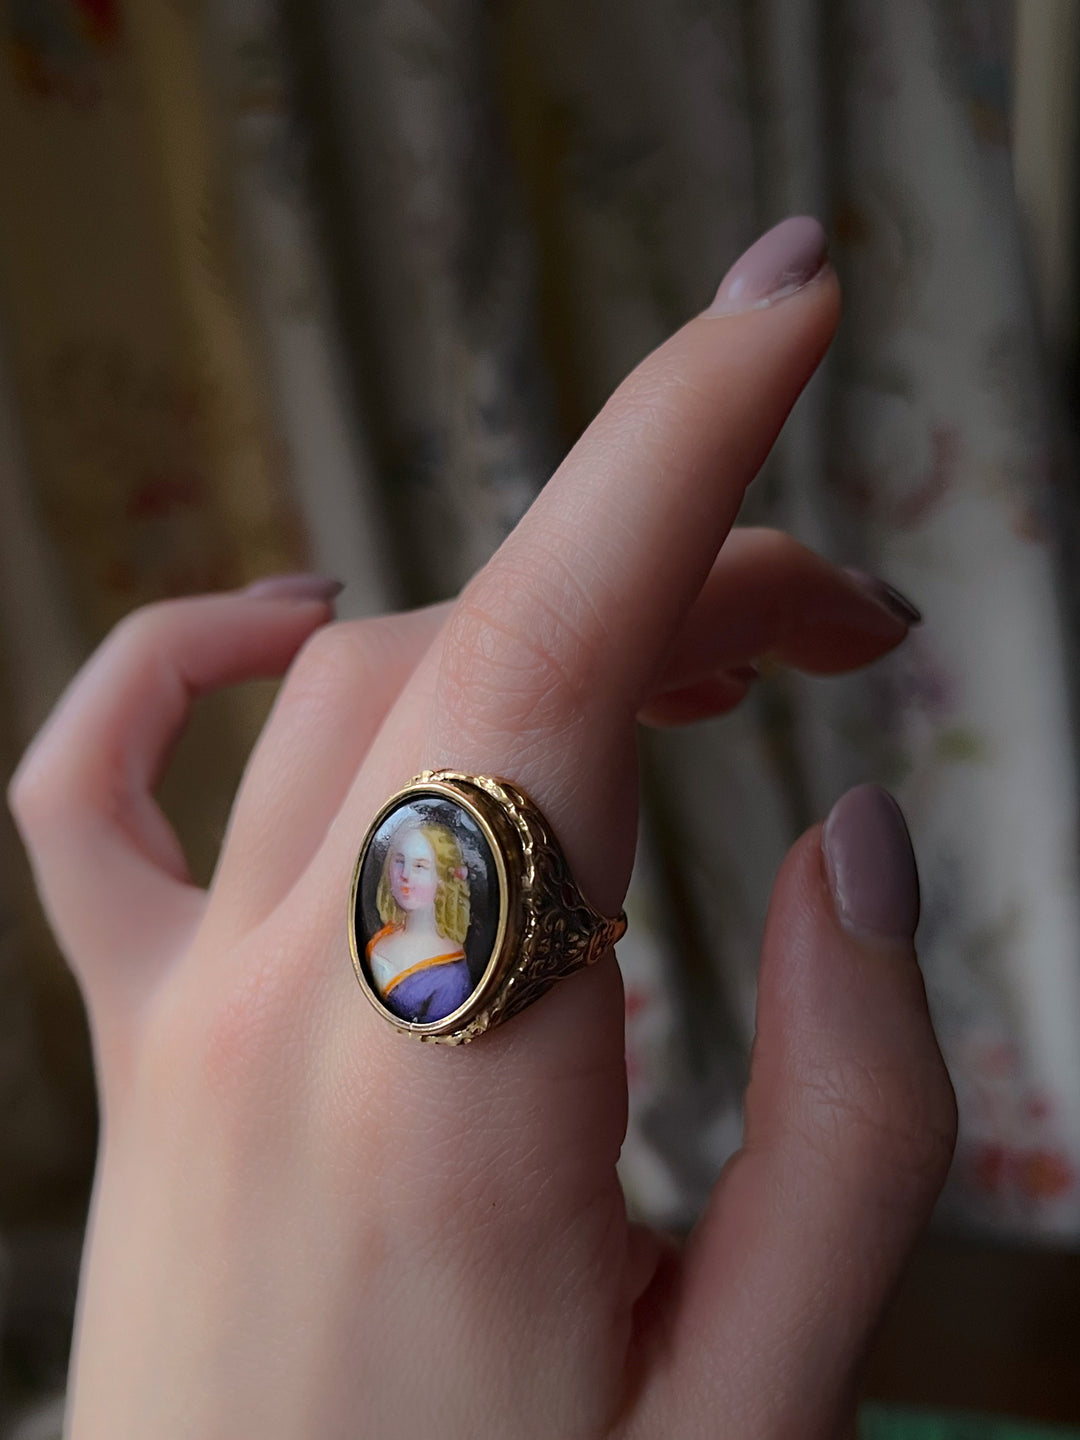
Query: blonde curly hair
[[451, 893]]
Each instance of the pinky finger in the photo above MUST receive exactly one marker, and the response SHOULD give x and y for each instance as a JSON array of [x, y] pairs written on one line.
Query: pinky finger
[[109, 868]]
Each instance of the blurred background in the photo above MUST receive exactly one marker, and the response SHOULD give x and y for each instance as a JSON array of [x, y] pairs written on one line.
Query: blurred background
[[335, 284]]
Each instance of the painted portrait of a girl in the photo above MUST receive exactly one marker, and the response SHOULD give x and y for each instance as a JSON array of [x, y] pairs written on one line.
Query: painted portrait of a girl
[[417, 959]]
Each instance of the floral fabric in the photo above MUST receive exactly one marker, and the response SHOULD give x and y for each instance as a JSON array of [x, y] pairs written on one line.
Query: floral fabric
[[339, 284]]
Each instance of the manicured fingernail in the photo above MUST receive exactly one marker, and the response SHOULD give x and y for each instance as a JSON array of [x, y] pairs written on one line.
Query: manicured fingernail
[[886, 595], [871, 865], [294, 587], [781, 262]]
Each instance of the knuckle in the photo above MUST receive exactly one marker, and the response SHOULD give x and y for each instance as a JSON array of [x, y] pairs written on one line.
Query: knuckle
[[24, 792], [896, 1126], [336, 660], [245, 1041], [520, 648], [500, 676], [323, 661], [141, 630], [655, 401], [39, 790], [653, 412], [242, 1031]]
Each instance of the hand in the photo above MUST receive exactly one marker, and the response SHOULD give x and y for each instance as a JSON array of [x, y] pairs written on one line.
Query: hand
[[307, 1224]]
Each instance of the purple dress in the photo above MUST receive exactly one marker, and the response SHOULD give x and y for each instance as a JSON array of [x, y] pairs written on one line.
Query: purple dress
[[431, 991]]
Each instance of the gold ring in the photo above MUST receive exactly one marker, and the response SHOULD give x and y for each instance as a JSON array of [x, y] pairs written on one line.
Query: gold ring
[[462, 908]]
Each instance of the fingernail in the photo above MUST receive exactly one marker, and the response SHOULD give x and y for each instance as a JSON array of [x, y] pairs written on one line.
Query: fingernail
[[294, 587], [871, 865], [887, 595], [781, 262]]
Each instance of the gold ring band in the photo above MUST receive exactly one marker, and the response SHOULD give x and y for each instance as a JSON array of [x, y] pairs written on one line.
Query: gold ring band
[[463, 910]]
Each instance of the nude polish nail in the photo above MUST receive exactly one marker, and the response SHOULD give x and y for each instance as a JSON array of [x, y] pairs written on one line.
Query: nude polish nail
[[294, 587], [782, 261], [871, 866], [887, 595]]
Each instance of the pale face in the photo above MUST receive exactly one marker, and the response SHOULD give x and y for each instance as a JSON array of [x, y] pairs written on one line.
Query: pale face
[[413, 881]]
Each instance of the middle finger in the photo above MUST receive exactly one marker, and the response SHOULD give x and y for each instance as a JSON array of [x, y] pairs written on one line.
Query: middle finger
[[553, 647]]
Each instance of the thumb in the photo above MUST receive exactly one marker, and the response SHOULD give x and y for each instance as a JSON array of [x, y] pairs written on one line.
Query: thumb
[[850, 1124]]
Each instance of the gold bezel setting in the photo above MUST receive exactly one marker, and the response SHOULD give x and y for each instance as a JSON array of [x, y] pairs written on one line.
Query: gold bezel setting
[[546, 930]]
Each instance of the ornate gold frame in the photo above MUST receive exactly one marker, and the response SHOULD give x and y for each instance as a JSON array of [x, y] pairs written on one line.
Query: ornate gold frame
[[546, 929]]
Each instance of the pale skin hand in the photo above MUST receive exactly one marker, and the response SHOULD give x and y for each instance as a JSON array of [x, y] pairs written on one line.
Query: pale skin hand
[[306, 1224]]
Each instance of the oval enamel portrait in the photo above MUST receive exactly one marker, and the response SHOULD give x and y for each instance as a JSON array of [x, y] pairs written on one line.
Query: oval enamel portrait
[[427, 908]]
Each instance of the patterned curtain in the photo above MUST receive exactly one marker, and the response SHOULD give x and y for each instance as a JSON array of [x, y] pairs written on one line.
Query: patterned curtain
[[336, 284]]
